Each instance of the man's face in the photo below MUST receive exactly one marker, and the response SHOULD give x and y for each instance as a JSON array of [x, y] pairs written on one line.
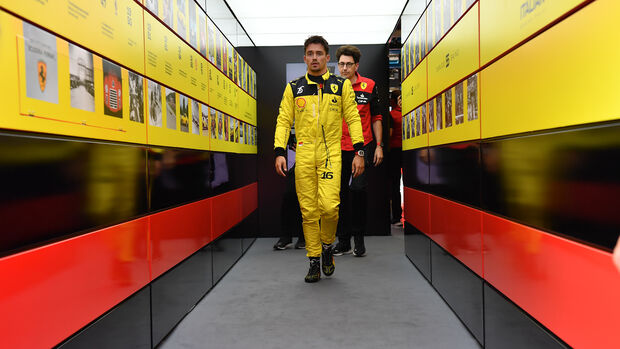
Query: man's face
[[347, 66], [316, 59]]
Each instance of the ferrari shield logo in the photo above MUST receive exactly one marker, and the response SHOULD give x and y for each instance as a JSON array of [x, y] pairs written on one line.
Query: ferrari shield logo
[[364, 85], [334, 88], [42, 74]]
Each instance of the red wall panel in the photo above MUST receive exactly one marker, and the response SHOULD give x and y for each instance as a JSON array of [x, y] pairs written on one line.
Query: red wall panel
[[249, 200], [177, 233], [226, 210], [458, 229], [572, 289], [416, 204], [49, 293]]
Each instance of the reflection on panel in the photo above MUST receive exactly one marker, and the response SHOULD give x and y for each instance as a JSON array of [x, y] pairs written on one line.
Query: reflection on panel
[[455, 172], [567, 182], [416, 169], [55, 187]]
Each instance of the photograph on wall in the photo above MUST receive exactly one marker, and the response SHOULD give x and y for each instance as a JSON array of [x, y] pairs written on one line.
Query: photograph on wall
[[153, 6], [193, 28], [254, 84], [181, 28], [184, 112], [418, 128], [458, 104], [448, 109], [438, 111], [472, 97], [213, 123], [136, 97], [171, 109], [82, 78], [167, 9], [211, 38], [447, 21], [404, 129], [218, 49], [423, 42], [416, 49], [469, 3], [112, 89], [408, 125], [230, 60], [41, 62], [220, 126], [431, 116], [457, 5], [423, 121], [154, 100], [237, 130], [224, 46], [226, 130], [242, 77], [241, 133], [231, 129], [235, 65], [196, 117], [204, 115], [202, 32]]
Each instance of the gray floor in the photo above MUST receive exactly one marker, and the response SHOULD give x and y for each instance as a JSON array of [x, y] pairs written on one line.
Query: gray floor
[[378, 301]]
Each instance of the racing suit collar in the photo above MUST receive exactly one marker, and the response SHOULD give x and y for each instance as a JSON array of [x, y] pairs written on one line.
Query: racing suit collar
[[324, 76]]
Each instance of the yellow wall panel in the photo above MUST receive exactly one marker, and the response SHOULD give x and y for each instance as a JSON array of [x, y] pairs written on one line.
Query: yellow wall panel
[[456, 56], [414, 88], [566, 76], [110, 28], [505, 23]]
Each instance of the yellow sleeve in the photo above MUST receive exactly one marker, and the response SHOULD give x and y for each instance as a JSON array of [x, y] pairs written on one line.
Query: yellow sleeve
[[350, 113], [285, 120]]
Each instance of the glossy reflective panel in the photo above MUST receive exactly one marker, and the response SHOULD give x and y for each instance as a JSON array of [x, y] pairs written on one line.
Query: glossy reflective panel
[[455, 172], [416, 169], [58, 289], [418, 249], [567, 182], [416, 205], [570, 288], [53, 187]]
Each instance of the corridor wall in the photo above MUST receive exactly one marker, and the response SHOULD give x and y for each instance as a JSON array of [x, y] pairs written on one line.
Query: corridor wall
[[510, 167], [129, 184]]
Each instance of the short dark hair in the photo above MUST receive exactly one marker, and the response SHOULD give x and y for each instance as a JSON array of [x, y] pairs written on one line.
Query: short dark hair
[[349, 50], [316, 39], [395, 94]]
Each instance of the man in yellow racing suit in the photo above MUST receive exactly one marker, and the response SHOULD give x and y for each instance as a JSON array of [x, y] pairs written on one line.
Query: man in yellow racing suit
[[317, 103]]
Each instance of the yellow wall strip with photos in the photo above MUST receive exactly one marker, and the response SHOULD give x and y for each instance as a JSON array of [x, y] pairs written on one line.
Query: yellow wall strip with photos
[[566, 76], [111, 28], [505, 23], [414, 88], [456, 55]]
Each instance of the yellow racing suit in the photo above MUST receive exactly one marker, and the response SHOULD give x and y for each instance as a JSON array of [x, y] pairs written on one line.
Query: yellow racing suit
[[317, 109]]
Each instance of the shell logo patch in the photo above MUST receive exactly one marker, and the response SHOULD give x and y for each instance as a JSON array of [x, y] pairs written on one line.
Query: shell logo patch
[[334, 88], [42, 69], [364, 85], [301, 103]]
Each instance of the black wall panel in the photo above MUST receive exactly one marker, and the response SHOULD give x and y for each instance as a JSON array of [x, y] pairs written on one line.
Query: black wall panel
[[416, 169], [270, 65], [176, 292], [507, 326], [461, 289], [53, 187], [576, 172], [455, 172], [226, 251], [128, 325], [418, 249]]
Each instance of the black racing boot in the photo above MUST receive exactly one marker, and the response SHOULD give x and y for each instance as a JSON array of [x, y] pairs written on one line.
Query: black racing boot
[[360, 249], [328, 260], [314, 273], [343, 246]]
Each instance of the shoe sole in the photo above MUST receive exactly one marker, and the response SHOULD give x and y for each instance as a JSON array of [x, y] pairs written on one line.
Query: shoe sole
[[359, 255], [341, 253], [312, 280], [283, 248]]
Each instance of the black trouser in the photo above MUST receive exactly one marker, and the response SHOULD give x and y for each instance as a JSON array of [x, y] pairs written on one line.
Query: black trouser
[[394, 171], [290, 211], [352, 212]]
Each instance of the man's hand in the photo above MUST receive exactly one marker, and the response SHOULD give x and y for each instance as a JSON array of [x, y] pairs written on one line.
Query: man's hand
[[357, 167], [281, 166], [378, 155]]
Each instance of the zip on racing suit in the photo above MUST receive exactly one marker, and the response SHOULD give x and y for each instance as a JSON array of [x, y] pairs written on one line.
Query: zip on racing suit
[[317, 108]]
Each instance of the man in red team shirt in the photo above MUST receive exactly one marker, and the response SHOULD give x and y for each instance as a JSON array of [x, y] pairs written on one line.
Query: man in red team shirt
[[394, 157], [353, 210]]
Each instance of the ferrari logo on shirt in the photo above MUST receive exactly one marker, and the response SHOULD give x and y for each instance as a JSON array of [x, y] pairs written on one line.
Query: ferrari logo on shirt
[[364, 85], [42, 69], [334, 88]]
